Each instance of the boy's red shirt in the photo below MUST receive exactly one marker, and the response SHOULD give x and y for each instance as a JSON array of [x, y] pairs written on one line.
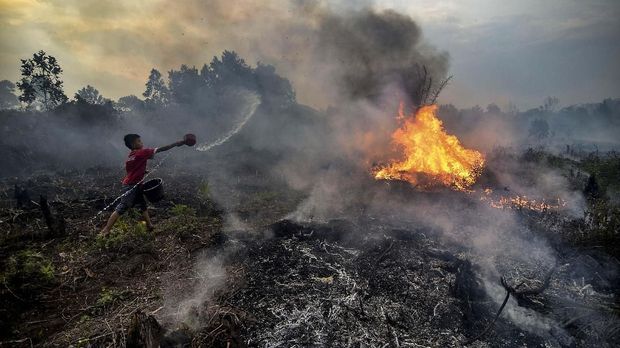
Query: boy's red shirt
[[136, 165]]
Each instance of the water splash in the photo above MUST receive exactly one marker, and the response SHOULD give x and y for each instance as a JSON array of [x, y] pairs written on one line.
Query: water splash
[[248, 111]]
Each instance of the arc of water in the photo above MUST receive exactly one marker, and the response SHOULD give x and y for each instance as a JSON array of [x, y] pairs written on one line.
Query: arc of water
[[251, 109], [202, 147]]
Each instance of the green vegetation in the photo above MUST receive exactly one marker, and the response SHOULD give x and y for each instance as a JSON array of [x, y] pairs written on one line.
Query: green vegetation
[[207, 206], [541, 156], [108, 297], [601, 190], [265, 196], [203, 190], [606, 170], [125, 230], [27, 271], [601, 187], [184, 221], [182, 210]]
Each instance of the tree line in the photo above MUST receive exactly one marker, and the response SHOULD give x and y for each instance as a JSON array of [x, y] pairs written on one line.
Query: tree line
[[41, 86]]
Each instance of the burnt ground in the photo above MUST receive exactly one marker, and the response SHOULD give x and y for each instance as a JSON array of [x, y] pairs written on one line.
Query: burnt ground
[[363, 281]]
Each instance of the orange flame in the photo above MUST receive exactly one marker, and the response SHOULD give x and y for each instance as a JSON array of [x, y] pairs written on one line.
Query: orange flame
[[430, 156], [521, 202]]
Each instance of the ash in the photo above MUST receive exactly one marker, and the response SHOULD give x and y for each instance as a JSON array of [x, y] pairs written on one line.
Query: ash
[[339, 284], [307, 289]]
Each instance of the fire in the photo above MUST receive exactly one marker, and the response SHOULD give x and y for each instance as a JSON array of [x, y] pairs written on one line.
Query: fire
[[430, 156], [518, 202]]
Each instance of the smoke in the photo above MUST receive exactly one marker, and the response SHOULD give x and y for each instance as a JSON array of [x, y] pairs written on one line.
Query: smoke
[[249, 105], [375, 50], [190, 307], [584, 128], [328, 50], [357, 64]]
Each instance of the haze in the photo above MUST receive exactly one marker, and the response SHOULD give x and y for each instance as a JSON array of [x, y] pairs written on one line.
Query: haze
[[500, 51]]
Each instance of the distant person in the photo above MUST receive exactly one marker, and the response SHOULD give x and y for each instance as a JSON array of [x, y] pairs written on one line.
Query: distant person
[[132, 183]]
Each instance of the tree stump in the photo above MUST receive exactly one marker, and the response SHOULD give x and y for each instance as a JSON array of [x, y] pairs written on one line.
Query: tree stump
[[144, 331], [55, 223], [22, 196]]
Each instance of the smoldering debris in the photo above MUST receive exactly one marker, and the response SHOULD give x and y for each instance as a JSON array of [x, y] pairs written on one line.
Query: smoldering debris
[[374, 284], [399, 266]]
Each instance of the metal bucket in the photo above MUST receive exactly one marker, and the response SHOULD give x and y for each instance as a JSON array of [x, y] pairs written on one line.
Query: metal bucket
[[153, 190]]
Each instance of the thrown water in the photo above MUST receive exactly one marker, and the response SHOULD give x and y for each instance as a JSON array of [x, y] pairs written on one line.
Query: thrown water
[[248, 111]]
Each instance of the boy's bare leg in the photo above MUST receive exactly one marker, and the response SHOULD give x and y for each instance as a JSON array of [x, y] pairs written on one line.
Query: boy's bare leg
[[147, 218], [111, 221]]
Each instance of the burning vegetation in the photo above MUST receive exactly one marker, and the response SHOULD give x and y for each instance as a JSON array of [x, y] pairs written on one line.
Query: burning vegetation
[[428, 156], [521, 202]]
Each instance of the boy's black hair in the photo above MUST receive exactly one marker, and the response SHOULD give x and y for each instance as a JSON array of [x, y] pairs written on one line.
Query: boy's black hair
[[129, 139]]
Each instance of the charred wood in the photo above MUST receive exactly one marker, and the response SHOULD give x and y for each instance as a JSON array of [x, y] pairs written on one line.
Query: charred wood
[[144, 331], [55, 222], [22, 196]]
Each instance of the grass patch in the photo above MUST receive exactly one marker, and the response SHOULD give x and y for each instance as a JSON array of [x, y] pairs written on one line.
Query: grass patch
[[183, 210], [204, 190], [28, 271], [541, 156], [184, 222], [108, 297], [125, 230], [266, 196], [182, 225], [606, 169]]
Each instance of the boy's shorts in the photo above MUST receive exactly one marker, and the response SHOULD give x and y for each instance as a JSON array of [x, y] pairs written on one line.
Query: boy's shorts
[[130, 199]]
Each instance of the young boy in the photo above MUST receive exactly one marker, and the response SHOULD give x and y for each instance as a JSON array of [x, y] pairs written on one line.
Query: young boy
[[132, 190]]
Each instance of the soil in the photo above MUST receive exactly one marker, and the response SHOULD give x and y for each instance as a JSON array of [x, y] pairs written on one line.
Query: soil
[[244, 274]]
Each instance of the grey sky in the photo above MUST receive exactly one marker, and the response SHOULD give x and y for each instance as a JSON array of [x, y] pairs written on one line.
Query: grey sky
[[520, 51], [501, 51]]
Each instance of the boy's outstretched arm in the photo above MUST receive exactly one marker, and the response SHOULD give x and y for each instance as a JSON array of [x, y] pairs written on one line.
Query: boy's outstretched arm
[[168, 147]]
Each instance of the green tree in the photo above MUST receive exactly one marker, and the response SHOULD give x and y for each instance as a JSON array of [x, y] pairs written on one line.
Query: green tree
[[230, 71], [185, 84], [8, 99], [274, 89], [156, 93], [41, 86], [90, 95], [130, 103]]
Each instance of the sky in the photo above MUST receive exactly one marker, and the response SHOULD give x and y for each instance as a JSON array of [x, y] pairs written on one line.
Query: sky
[[500, 51]]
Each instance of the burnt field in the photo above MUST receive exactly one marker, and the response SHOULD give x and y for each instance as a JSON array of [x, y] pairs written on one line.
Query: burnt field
[[366, 214], [242, 260]]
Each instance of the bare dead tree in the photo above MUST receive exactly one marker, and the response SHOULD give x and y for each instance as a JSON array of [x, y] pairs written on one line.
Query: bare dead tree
[[426, 92], [439, 88]]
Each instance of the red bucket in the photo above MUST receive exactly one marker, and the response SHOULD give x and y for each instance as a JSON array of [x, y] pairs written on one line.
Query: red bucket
[[189, 139]]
